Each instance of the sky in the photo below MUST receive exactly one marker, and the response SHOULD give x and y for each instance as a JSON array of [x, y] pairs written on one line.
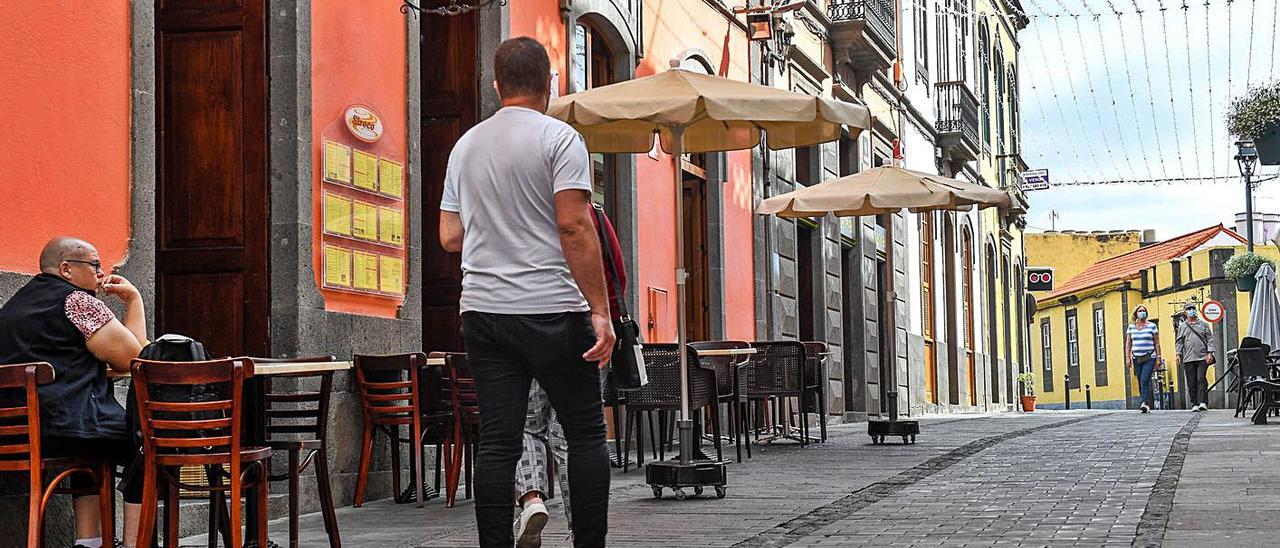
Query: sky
[[1141, 97]]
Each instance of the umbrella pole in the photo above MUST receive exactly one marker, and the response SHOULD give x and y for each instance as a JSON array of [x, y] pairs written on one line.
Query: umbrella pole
[[685, 424], [891, 319]]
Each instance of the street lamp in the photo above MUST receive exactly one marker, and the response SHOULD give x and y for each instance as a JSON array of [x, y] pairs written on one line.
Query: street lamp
[[1247, 158]]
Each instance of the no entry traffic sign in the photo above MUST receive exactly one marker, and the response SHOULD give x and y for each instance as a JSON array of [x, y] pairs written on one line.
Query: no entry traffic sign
[[1213, 311]]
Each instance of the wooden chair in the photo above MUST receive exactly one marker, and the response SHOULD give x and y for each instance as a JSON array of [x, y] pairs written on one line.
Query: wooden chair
[[298, 421], [390, 397], [461, 387], [197, 433], [20, 452]]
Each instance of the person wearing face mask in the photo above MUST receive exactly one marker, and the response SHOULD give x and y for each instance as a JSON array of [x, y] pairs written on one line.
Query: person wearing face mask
[[1142, 353], [58, 317], [1195, 355]]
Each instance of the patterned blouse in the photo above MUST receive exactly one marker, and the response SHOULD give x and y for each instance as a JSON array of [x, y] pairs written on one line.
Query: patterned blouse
[[87, 313]]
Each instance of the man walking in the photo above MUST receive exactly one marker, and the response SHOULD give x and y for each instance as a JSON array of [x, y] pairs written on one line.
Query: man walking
[[1195, 355], [534, 304]]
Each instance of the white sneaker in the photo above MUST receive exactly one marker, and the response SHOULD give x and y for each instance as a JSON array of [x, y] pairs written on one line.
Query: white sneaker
[[1195, 409], [1144, 408], [532, 520], [1204, 407]]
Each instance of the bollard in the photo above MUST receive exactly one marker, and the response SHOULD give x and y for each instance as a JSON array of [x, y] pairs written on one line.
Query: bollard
[[1066, 390], [1088, 398]]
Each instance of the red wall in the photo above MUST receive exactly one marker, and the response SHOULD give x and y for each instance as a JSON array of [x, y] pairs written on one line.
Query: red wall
[[358, 55], [671, 29], [64, 152]]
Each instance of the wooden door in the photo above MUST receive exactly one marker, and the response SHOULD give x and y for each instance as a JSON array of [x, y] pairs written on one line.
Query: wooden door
[[211, 182], [927, 309], [697, 296], [450, 106]]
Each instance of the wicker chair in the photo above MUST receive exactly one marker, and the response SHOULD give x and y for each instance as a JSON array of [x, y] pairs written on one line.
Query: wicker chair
[[729, 385], [776, 371], [815, 377], [662, 393]]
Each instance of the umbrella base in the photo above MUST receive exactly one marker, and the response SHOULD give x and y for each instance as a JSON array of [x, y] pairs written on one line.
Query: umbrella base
[[880, 429], [674, 475]]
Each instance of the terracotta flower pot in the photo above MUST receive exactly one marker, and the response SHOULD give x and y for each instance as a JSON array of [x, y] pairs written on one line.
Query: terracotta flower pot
[[1028, 403]]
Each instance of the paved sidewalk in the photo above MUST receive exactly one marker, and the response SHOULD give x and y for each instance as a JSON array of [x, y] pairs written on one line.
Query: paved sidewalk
[[1059, 478]]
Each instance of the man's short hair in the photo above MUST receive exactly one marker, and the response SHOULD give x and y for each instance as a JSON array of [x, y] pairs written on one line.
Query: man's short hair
[[522, 68]]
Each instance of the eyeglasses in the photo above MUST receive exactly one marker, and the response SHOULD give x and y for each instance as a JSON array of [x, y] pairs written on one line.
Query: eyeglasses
[[97, 265]]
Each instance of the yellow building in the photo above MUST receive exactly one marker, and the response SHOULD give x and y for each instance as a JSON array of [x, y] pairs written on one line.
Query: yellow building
[[1070, 252], [1078, 330]]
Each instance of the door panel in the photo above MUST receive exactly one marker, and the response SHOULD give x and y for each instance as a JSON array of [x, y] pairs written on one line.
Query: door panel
[[211, 187], [697, 298], [450, 106]]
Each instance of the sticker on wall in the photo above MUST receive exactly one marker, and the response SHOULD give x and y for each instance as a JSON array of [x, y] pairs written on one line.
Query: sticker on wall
[[363, 123]]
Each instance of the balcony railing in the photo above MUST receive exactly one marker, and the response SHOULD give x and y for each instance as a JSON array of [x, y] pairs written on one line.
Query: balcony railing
[[878, 15], [957, 111]]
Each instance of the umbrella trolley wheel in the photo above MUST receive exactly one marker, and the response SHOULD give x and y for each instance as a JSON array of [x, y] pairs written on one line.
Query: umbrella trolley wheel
[[905, 429], [682, 478]]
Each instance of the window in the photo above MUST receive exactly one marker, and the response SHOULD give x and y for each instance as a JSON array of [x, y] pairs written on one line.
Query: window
[[960, 13], [984, 79], [593, 67], [1099, 345], [922, 38], [1012, 84], [1073, 350], [942, 41], [1046, 354]]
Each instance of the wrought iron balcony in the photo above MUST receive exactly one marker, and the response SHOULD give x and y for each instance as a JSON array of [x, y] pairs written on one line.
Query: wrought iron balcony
[[863, 35], [957, 121]]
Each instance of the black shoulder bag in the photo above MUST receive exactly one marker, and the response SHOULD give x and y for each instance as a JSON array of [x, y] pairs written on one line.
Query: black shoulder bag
[[627, 367]]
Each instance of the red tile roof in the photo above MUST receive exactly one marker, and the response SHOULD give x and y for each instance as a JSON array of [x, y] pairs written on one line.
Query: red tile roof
[[1129, 265]]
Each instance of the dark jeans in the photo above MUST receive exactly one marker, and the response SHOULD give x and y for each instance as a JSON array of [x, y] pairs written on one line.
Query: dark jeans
[[1143, 368], [505, 352], [1197, 381], [119, 451]]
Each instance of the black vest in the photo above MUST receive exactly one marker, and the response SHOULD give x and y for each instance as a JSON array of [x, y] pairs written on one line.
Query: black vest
[[34, 328]]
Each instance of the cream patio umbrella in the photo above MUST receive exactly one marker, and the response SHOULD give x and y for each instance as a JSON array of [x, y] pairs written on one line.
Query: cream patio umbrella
[[883, 191], [691, 113]]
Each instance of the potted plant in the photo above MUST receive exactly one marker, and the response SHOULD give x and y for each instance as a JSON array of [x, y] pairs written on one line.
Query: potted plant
[[1242, 267], [1028, 381], [1256, 115]]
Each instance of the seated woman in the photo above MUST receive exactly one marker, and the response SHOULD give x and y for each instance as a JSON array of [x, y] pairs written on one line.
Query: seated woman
[[57, 317]]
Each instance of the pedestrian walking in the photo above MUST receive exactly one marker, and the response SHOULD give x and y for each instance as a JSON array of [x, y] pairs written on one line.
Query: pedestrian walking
[[1142, 353], [516, 201], [1195, 355], [543, 437]]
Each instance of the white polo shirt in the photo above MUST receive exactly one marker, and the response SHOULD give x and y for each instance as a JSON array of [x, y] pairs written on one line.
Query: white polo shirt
[[502, 179]]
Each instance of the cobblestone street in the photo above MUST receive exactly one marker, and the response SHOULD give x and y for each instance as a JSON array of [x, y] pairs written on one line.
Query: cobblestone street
[[1049, 478]]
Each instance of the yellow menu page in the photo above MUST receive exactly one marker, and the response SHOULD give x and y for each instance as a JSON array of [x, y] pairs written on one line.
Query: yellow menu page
[[391, 178], [366, 170], [337, 215], [392, 272], [365, 271], [337, 162], [337, 266]]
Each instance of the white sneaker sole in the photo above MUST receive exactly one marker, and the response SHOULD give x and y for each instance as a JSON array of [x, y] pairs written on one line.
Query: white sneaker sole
[[531, 533]]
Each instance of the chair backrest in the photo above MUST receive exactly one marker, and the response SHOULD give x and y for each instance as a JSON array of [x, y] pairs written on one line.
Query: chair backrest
[[20, 415], [1253, 362], [460, 385], [815, 354], [389, 386], [722, 366], [296, 410], [1254, 342], [662, 360], [777, 368], [185, 426]]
